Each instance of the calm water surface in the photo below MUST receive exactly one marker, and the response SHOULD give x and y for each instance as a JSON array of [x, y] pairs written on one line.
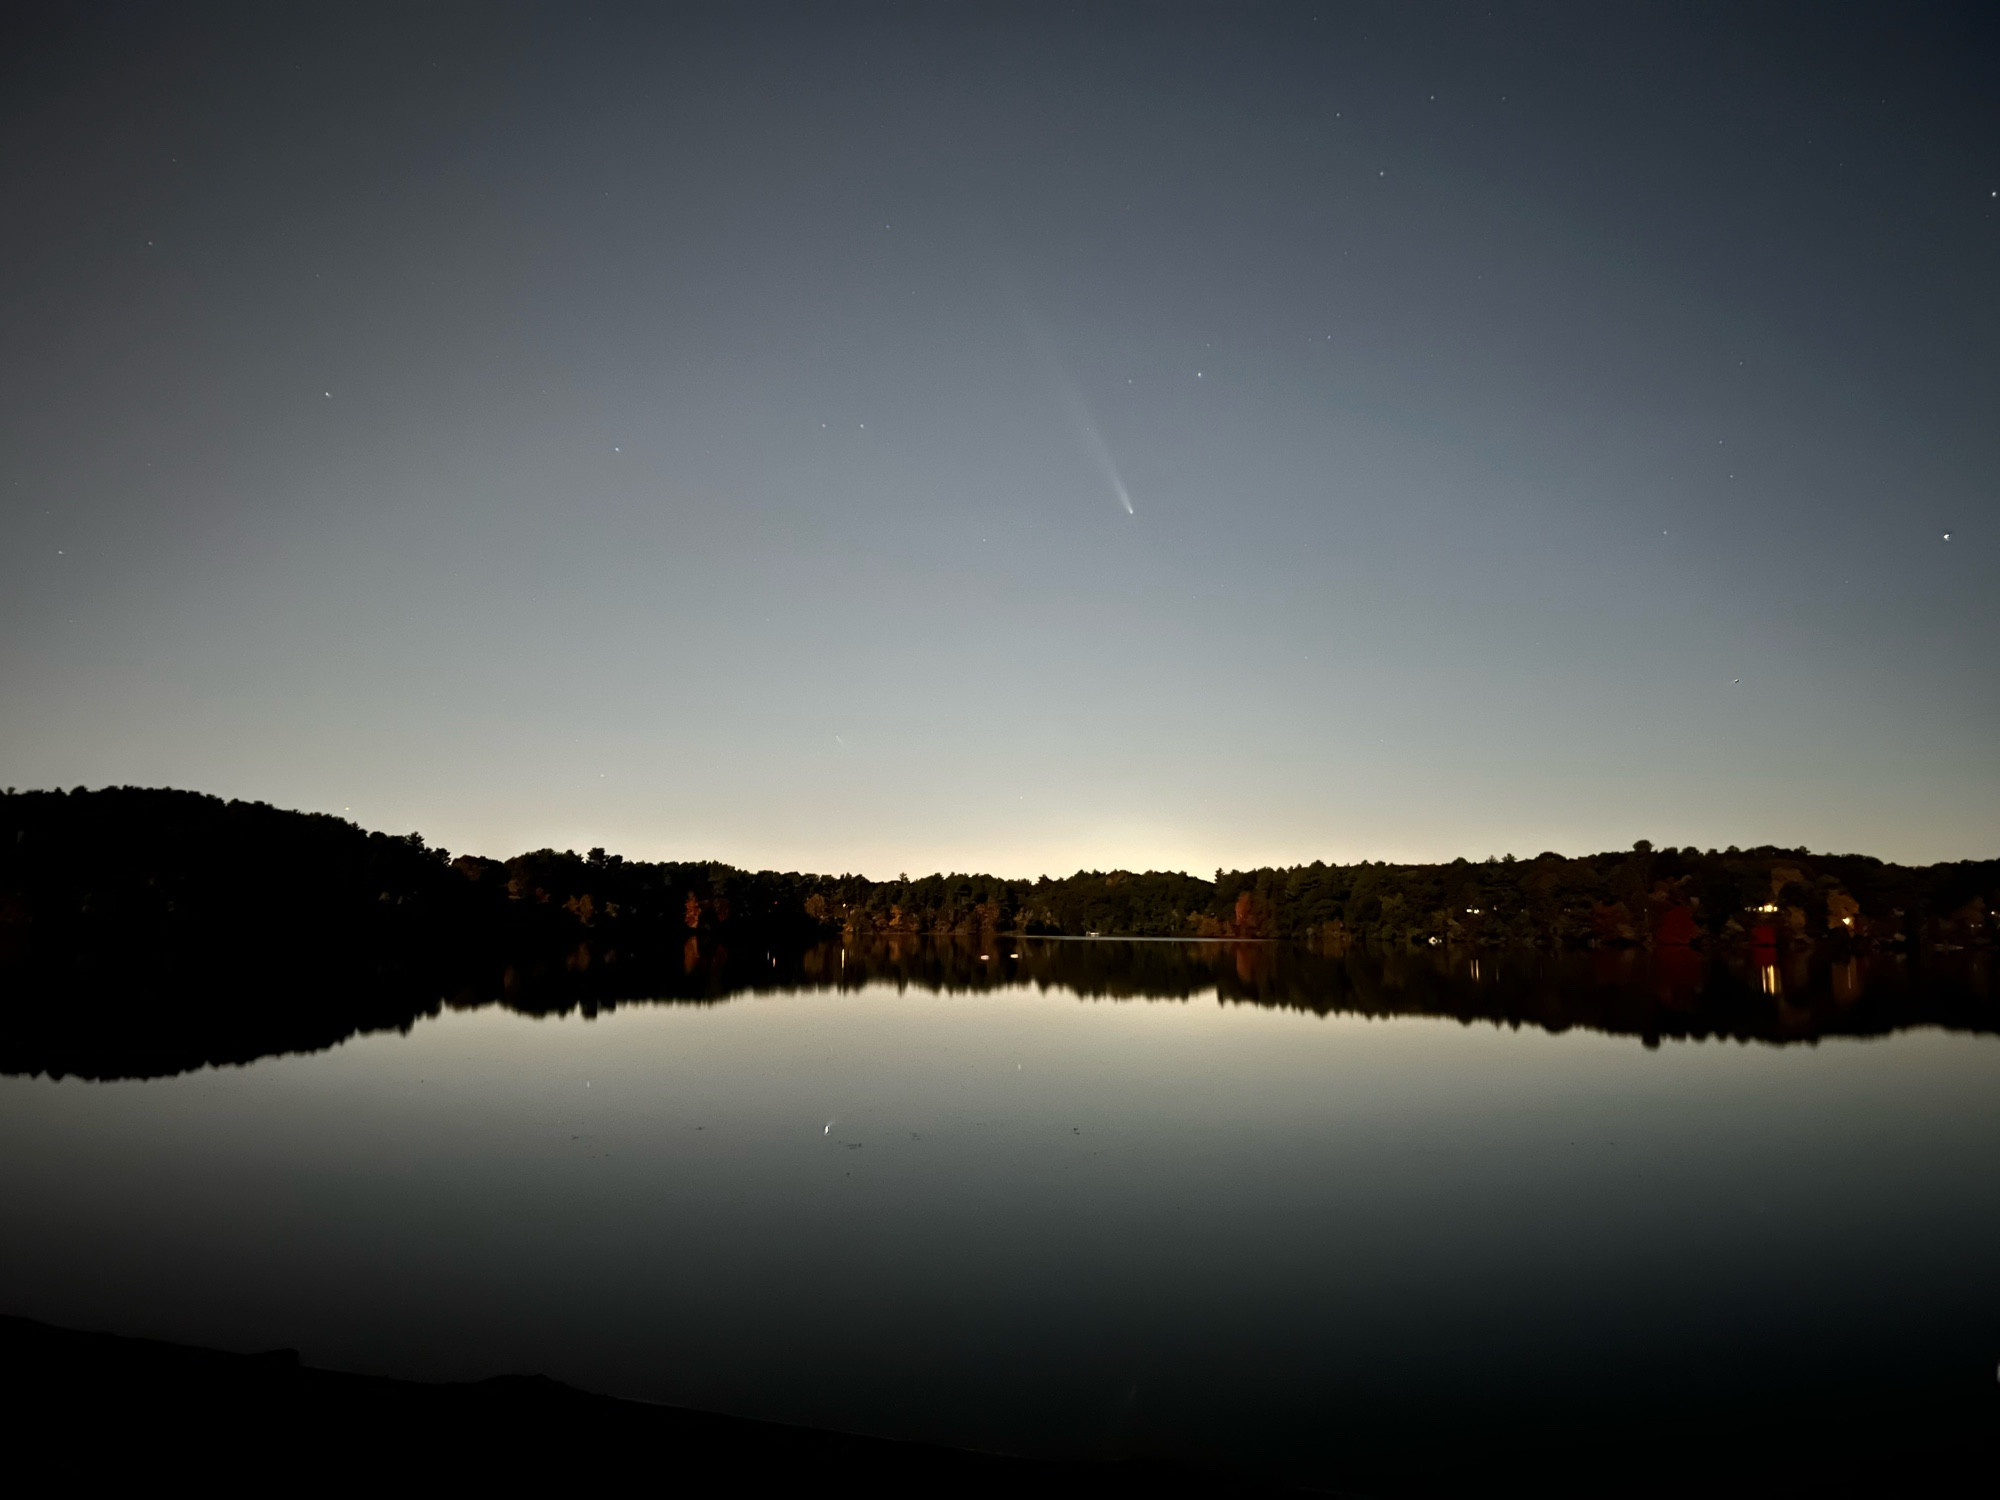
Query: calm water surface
[[1013, 1216]]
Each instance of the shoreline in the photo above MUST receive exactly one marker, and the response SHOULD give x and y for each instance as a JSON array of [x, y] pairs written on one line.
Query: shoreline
[[93, 1404]]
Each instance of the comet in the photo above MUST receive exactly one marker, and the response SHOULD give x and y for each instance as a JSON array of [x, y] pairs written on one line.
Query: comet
[[1081, 420], [1094, 444]]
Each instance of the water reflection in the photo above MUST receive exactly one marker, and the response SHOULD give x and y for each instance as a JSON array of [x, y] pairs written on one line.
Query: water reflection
[[1219, 1202], [1675, 992], [1672, 992]]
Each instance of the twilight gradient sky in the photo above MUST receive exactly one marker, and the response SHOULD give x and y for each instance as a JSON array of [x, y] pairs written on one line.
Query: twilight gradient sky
[[702, 432]]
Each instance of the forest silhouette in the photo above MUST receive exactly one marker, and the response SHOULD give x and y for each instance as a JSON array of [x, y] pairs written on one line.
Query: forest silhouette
[[149, 931]]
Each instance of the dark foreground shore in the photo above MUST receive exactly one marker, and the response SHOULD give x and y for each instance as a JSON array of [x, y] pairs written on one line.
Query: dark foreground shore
[[89, 1407]]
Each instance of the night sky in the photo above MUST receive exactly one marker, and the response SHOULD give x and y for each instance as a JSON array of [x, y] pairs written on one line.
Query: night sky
[[1011, 438]]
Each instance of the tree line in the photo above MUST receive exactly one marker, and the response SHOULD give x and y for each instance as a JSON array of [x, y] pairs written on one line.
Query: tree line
[[146, 931], [132, 867], [1640, 897]]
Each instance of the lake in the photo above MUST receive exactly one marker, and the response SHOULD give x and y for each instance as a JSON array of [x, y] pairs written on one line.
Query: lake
[[1227, 1203]]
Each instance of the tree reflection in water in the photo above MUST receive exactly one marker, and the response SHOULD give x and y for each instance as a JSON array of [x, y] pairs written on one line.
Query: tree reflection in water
[[249, 1006]]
